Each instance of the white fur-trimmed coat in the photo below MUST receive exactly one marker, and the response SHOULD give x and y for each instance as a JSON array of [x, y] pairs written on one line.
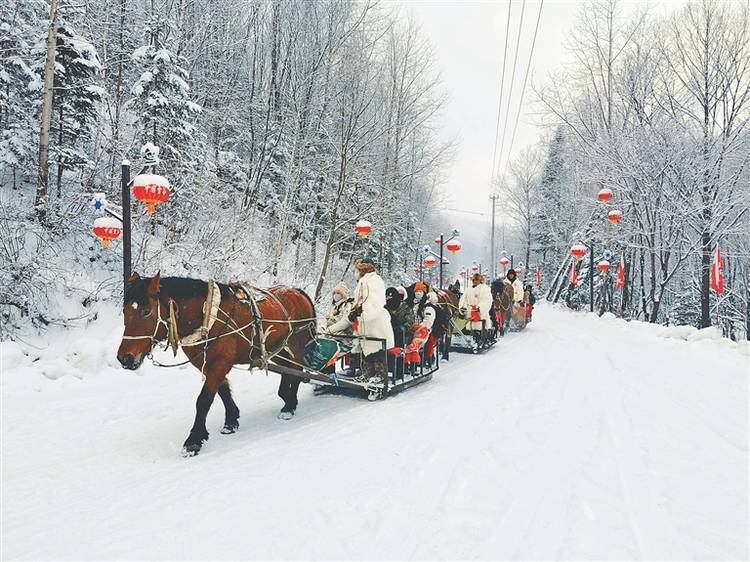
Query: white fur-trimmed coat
[[375, 321]]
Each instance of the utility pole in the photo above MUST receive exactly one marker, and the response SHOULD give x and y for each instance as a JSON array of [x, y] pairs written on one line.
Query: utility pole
[[493, 197]]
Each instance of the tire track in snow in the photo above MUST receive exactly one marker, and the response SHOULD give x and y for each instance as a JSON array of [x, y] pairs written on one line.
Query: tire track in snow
[[536, 493]]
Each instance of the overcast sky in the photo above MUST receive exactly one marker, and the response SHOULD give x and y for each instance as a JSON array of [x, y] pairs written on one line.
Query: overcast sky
[[468, 38]]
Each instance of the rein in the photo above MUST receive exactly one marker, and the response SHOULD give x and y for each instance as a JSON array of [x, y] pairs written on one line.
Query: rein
[[175, 342]]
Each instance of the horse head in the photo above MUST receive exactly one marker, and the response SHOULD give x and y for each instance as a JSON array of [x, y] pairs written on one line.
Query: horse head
[[145, 322]]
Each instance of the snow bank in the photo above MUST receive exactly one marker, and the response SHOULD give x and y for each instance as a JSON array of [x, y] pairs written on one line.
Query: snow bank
[[81, 353], [710, 337]]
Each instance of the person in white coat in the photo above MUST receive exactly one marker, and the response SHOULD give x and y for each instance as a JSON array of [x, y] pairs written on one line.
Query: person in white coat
[[476, 303], [512, 279], [371, 319]]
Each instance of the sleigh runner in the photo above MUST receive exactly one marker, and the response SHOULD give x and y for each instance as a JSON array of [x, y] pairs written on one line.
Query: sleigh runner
[[400, 374]]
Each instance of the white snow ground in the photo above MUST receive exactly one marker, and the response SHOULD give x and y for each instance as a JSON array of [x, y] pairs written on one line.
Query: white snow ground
[[580, 438]]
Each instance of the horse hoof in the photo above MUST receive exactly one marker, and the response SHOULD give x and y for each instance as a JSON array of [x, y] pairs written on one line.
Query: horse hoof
[[191, 450], [286, 415], [228, 429]]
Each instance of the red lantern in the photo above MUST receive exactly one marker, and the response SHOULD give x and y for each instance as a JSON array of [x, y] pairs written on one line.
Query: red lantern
[[430, 261], [518, 269], [453, 246], [107, 229], [363, 228], [151, 190], [605, 195], [603, 267], [437, 241], [474, 268], [615, 217], [504, 261], [578, 251]]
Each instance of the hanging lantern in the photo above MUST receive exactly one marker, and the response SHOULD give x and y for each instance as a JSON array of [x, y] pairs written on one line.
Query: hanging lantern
[[151, 190], [504, 262], [604, 195], [518, 269], [437, 241], [363, 228], [453, 246], [603, 267], [107, 229], [474, 268], [430, 261], [615, 217], [578, 251]]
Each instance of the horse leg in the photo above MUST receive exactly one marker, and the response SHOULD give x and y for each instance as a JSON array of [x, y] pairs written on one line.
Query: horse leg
[[291, 357], [232, 415], [284, 390], [447, 342], [215, 374]]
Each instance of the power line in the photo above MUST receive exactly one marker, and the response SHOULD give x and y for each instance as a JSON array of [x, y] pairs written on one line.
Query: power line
[[500, 101], [512, 80], [523, 90]]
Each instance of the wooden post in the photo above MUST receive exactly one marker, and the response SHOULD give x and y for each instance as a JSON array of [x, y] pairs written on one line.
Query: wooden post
[[126, 239]]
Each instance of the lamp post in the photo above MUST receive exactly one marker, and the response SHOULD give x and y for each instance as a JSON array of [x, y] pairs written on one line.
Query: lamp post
[[148, 188], [453, 246]]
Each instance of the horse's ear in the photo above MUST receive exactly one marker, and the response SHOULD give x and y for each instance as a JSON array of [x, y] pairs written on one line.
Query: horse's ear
[[134, 277], [154, 285]]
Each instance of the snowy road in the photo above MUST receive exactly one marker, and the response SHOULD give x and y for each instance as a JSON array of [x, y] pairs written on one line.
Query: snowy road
[[581, 438]]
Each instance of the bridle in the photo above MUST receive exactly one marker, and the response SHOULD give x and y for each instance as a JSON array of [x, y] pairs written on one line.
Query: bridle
[[159, 322]]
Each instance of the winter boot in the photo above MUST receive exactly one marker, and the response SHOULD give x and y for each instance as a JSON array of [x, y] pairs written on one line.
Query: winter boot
[[355, 362], [374, 368]]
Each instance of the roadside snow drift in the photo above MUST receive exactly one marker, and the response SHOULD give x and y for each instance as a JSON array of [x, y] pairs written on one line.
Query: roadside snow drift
[[580, 438]]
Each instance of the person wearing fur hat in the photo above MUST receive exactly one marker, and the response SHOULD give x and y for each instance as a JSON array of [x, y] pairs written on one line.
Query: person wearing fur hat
[[337, 320], [475, 305], [371, 320], [514, 282]]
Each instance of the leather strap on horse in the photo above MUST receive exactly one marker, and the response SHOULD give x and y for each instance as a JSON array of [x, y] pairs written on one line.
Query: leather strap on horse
[[210, 314]]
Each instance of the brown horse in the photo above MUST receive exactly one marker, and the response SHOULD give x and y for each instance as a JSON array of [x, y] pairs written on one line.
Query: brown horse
[[502, 297], [218, 326], [448, 301]]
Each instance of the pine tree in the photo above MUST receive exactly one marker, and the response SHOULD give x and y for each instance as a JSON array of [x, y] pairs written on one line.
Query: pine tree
[[165, 114], [22, 26], [74, 102]]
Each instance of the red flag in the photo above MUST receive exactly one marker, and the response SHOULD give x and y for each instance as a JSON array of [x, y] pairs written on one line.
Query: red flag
[[574, 275], [621, 273], [717, 272], [538, 278]]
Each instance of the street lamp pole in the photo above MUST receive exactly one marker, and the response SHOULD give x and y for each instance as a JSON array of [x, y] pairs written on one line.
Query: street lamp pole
[[591, 276], [440, 281], [127, 258]]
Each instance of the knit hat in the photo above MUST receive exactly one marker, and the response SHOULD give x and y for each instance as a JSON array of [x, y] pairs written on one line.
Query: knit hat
[[401, 291], [341, 289], [420, 287]]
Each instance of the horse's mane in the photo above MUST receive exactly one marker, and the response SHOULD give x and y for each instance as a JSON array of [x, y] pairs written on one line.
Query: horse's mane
[[175, 287], [497, 287]]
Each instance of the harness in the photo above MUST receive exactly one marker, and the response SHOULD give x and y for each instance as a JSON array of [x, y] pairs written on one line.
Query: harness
[[244, 294]]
